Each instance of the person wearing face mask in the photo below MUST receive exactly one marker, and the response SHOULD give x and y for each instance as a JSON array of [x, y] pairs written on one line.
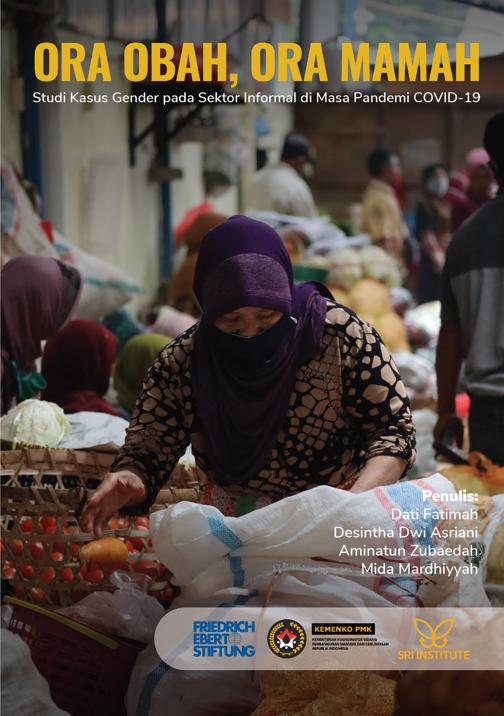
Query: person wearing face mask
[[432, 231], [382, 217], [282, 187], [277, 389]]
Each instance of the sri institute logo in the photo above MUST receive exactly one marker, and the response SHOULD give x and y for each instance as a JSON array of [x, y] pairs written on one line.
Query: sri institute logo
[[433, 640], [286, 638], [433, 637]]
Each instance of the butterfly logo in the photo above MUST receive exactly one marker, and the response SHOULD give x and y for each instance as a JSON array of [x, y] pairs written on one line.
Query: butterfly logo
[[433, 636]]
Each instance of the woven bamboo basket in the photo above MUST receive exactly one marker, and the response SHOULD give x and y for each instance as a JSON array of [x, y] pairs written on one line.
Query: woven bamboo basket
[[43, 491]]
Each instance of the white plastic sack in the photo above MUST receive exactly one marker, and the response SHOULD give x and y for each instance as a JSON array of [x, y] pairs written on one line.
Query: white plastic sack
[[94, 430], [157, 690], [24, 690], [105, 286], [170, 322], [287, 551], [21, 229], [128, 612]]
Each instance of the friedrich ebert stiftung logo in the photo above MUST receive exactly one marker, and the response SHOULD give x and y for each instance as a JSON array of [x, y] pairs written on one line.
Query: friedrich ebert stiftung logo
[[286, 638]]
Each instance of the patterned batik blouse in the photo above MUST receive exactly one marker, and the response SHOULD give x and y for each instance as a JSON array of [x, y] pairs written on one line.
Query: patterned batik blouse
[[347, 406]]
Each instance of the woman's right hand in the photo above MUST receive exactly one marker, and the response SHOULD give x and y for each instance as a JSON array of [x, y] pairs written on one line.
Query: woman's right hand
[[118, 489]]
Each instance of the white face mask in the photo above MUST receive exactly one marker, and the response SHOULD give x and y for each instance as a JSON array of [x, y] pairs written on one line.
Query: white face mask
[[307, 170], [438, 186]]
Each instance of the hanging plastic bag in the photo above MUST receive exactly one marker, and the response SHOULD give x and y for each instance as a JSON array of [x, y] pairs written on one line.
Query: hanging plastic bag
[[129, 612]]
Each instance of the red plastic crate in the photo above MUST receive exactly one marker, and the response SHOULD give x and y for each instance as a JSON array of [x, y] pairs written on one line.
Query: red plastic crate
[[88, 672]]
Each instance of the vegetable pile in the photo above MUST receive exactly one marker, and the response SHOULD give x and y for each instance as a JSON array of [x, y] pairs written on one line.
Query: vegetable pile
[[47, 562]]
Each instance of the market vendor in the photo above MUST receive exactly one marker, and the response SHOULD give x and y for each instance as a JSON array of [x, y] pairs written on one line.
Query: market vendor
[[472, 319], [277, 388]]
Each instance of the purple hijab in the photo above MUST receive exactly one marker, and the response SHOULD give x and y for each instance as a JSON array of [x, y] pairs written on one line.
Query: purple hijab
[[243, 262]]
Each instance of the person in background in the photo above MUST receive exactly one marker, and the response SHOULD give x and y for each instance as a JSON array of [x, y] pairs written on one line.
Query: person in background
[[432, 231], [77, 364], [282, 187], [480, 187], [382, 217], [180, 294], [39, 295], [130, 371], [277, 389], [472, 318]]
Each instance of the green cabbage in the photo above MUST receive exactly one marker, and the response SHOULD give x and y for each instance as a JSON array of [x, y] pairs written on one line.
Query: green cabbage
[[35, 423]]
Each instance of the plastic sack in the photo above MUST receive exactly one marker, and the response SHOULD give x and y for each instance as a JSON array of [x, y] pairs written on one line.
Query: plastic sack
[[170, 322], [286, 553], [22, 232], [91, 430], [128, 612], [157, 690], [24, 689], [426, 318], [105, 286]]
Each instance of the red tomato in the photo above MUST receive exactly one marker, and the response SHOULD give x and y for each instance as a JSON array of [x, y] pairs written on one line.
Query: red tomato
[[66, 574], [142, 522], [2, 546], [48, 521], [74, 549], [57, 556], [37, 594], [37, 550], [146, 566], [48, 574], [8, 571], [27, 571], [17, 547], [50, 530], [27, 525], [113, 523], [96, 576], [137, 543], [131, 548]]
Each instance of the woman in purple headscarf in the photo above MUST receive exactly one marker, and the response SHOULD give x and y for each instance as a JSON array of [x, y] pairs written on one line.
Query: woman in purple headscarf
[[38, 296], [277, 389]]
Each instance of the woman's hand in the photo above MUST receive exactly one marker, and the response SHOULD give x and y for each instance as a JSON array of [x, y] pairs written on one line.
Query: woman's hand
[[117, 490], [379, 470]]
